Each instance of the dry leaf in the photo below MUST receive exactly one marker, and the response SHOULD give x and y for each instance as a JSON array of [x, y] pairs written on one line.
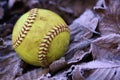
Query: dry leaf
[[74, 73], [102, 70], [58, 65], [34, 74], [78, 57], [89, 20], [82, 30], [11, 3], [77, 75], [9, 62], [43, 77], [100, 5], [106, 47], [31, 3], [1, 12], [84, 26], [6, 29], [67, 9], [110, 19], [59, 76]]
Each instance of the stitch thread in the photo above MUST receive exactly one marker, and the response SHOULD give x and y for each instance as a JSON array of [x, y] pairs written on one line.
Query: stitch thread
[[44, 46], [26, 27]]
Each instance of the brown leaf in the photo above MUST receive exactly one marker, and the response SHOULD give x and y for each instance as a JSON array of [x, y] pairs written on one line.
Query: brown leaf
[[11, 3], [74, 73], [6, 29], [1, 42], [59, 76], [82, 30], [1, 12], [106, 47], [110, 19], [84, 26], [31, 3], [57, 66], [68, 9], [89, 20], [100, 70], [10, 70], [101, 4], [9, 62], [77, 75], [34, 74], [44, 78], [78, 57]]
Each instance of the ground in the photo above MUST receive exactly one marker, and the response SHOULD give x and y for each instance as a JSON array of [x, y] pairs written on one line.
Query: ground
[[94, 47]]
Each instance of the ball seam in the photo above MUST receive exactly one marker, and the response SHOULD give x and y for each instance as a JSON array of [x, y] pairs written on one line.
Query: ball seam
[[45, 44], [26, 27]]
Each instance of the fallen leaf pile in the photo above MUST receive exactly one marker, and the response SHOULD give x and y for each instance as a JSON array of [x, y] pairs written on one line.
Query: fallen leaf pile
[[94, 50]]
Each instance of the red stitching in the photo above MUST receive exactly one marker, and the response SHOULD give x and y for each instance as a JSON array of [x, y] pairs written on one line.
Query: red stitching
[[54, 32], [26, 27]]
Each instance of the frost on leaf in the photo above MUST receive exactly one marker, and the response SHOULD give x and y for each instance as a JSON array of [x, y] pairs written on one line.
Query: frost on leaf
[[82, 30], [107, 47], [94, 50], [9, 61], [110, 19], [95, 69], [100, 5], [33, 75]]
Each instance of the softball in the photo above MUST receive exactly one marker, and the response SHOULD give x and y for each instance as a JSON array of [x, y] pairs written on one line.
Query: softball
[[40, 37]]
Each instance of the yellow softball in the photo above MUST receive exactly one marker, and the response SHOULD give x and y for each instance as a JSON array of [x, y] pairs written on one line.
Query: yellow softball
[[40, 37]]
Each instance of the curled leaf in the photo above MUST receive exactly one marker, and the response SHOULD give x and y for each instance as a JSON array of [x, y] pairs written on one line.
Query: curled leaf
[[82, 30], [57, 66], [89, 20], [101, 4]]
